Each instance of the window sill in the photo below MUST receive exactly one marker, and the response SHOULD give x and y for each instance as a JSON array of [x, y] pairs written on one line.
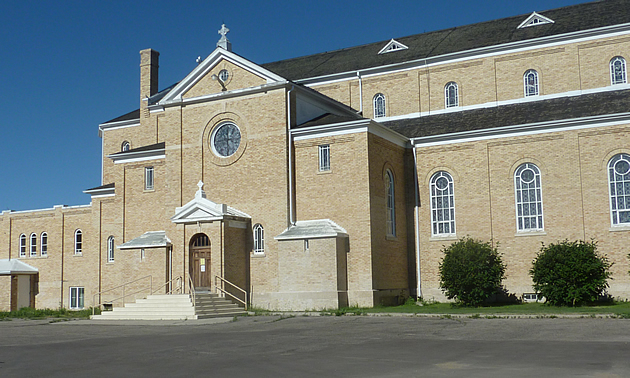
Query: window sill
[[328, 171], [258, 255], [148, 191], [619, 228], [78, 254], [447, 237], [531, 233], [391, 237]]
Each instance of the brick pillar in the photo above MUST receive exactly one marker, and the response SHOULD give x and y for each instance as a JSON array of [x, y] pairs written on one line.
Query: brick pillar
[[149, 63]]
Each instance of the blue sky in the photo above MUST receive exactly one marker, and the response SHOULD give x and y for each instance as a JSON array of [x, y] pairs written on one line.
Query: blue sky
[[67, 66]]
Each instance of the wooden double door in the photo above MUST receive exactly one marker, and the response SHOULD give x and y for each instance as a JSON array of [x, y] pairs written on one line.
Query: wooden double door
[[200, 261]]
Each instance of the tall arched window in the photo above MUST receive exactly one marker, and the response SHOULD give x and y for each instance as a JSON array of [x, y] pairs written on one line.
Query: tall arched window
[[33, 244], [78, 242], [530, 83], [618, 70], [442, 204], [110, 249], [391, 203], [379, 105], [43, 249], [619, 187], [528, 190], [259, 239], [22, 245], [451, 96]]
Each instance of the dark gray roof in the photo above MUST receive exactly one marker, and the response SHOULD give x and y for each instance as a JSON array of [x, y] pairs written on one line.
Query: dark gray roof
[[328, 119], [106, 186], [126, 117], [567, 19], [594, 104], [151, 147], [158, 96]]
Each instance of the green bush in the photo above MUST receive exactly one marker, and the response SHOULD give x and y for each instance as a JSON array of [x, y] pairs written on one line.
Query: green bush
[[570, 273], [471, 271]]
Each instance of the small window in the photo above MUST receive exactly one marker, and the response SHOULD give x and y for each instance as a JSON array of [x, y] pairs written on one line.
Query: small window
[[22, 245], [224, 75], [44, 244], [618, 71], [77, 295], [110, 249], [530, 83], [33, 245], [148, 178], [78, 242], [379, 105], [451, 96], [391, 203], [529, 205], [442, 204], [619, 187], [306, 245], [126, 146], [324, 157], [259, 239]]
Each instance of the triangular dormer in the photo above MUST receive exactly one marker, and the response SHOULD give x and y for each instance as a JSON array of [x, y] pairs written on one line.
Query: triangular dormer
[[392, 46], [201, 209], [535, 19], [222, 71]]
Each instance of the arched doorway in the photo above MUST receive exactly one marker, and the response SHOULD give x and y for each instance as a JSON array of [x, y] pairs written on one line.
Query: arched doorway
[[200, 260]]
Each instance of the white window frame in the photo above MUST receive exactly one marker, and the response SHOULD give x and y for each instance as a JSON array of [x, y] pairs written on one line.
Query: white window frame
[[380, 109], [324, 157], [524, 201], [78, 242], [624, 76], [43, 245], [149, 178], [390, 199], [451, 85], [77, 298], [531, 88], [125, 146], [110, 249], [33, 244], [619, 190], [259, 239], [22, 245], [442, 204]]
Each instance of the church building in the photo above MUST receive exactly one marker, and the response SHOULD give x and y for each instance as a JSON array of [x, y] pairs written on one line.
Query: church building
[[338, 178]]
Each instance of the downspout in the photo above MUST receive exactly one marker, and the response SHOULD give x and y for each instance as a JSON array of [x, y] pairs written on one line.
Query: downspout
[[416, 228], [290, 162], [360, 92]]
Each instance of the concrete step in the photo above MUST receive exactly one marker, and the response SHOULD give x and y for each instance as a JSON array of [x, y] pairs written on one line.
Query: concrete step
[[168, 307]]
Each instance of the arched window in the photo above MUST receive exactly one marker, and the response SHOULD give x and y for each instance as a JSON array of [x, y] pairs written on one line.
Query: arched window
[[528, 190], [451, 96], [33, 245], [619, 186], [379, 105], [44, 244], [22, 245], [110, 249], [391, 204], [259, 239], [530, 83], [618, 70], [201, 240], [78, 242], [125, 146], [442, 204]]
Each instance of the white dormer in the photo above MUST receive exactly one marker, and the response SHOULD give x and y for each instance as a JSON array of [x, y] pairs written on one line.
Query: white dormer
[[392, 46], [535, 19]]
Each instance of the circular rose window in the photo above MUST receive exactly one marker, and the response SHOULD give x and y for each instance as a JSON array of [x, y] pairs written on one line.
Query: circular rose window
[[226, 139]]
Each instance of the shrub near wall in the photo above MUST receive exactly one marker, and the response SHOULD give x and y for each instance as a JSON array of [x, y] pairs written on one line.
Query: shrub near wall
[[570, 273], [471, 271]]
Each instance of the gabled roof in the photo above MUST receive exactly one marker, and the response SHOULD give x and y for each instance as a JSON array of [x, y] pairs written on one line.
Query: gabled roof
[[13, 266], [135, 114], [201, 209], [535, 19], [392, 46], [527, 113], [421, 46], [152, 151], [151, 239], [106, 189], [312, 229]]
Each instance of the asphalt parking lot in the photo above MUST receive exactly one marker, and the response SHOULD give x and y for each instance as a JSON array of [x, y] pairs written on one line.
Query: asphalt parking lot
[[317, 346]]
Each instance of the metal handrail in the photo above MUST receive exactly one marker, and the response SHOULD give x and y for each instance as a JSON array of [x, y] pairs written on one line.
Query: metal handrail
[[191, 288], [178, 287], [220, 288]]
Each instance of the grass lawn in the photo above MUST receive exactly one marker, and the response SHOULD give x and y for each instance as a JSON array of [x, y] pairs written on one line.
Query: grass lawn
[[29, 313], [620, 309]]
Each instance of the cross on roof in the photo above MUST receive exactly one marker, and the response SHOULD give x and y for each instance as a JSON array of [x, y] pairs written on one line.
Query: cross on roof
[[223, 31]]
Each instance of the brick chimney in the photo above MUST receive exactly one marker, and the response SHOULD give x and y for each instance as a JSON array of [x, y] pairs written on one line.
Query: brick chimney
[[148, 77]]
